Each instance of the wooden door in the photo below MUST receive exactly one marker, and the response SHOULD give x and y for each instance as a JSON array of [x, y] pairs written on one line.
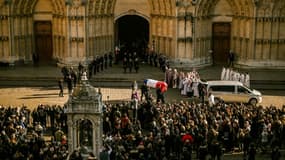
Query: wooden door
[[43, 41], [221, 42]]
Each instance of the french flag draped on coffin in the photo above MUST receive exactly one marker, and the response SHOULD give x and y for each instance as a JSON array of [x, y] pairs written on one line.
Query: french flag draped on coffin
[[156, 84]]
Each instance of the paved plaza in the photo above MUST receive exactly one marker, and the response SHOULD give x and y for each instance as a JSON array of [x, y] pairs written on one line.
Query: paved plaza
[[32, 96], [38, 85], [31, 86]]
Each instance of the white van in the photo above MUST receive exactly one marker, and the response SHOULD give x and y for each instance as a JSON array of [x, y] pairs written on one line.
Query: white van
[[233, 91]]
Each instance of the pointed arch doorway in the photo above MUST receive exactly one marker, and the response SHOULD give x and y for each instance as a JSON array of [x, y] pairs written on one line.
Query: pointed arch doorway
[[132, 34], [43, 41], [221, 42]]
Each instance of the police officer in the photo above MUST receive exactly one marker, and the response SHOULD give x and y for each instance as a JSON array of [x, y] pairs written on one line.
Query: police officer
[[90, 69], [60, 85], [110, 59], [102, 62], [106, 60], [130, 62], [125, 61], [136, 64]]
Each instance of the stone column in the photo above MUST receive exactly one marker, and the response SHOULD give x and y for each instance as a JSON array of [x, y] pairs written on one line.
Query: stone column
[[70, 134], [76, 32]]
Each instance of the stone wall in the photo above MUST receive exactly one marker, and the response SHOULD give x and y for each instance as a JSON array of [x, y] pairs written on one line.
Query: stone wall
[[181, 30]]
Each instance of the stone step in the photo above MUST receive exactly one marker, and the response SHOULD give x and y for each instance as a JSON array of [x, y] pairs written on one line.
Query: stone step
[[116, 82]]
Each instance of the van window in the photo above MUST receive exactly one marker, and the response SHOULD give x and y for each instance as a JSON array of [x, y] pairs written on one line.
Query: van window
[[223, 88], [241, 89]]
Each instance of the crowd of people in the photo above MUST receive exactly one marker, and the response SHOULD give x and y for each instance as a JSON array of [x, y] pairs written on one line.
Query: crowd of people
[[130, 61], [72, 76], [170, 131], [175, 130], [145, 129], [22, 133], [229, 74], [100, 63], [189, 83], [157, 60]]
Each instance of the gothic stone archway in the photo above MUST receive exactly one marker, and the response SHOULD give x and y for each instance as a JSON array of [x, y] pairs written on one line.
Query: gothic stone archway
[[227, 24], [221, 42], [43, 41], [132, 33]]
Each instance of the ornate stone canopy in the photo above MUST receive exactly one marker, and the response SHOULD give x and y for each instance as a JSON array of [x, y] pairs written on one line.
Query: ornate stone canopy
[[84, 118], [84, 98]]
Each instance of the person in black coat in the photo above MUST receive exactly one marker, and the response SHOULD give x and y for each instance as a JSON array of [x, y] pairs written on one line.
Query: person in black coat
[[74, 76], [125, 64], [202, 92], [97, 64], [160, 96], [65, 73], [251, 152], [155, 59], [102, 62], [35, 59], [106, 61], [94, 66], [60, 85], [80, 68], [186, 151], [136, 64], [151, 58], [275, 154], [76, 155], [231, 59], [144, 92], [69, 84], [203, 152], [110, 59], [130, 62], [90, 70]]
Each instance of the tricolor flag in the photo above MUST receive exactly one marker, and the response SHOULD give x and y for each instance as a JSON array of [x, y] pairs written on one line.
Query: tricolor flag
[[156, 84]]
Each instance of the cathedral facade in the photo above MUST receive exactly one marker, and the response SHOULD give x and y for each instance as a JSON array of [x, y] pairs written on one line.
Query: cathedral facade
[[189, 32]]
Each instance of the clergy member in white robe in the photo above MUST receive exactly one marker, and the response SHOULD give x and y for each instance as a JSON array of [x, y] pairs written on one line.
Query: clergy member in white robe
[[247, 80], [223, 73], [241, 79], [227, 77]]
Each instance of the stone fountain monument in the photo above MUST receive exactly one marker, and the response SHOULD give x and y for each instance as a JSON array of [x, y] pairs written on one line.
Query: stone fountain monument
[[84, 119]]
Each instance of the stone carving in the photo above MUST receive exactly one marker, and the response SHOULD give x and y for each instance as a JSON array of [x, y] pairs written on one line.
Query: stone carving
[[83, 94], [76, 3]]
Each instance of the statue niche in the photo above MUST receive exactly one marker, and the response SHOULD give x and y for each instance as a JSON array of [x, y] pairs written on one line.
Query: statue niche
[[85, 134]]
